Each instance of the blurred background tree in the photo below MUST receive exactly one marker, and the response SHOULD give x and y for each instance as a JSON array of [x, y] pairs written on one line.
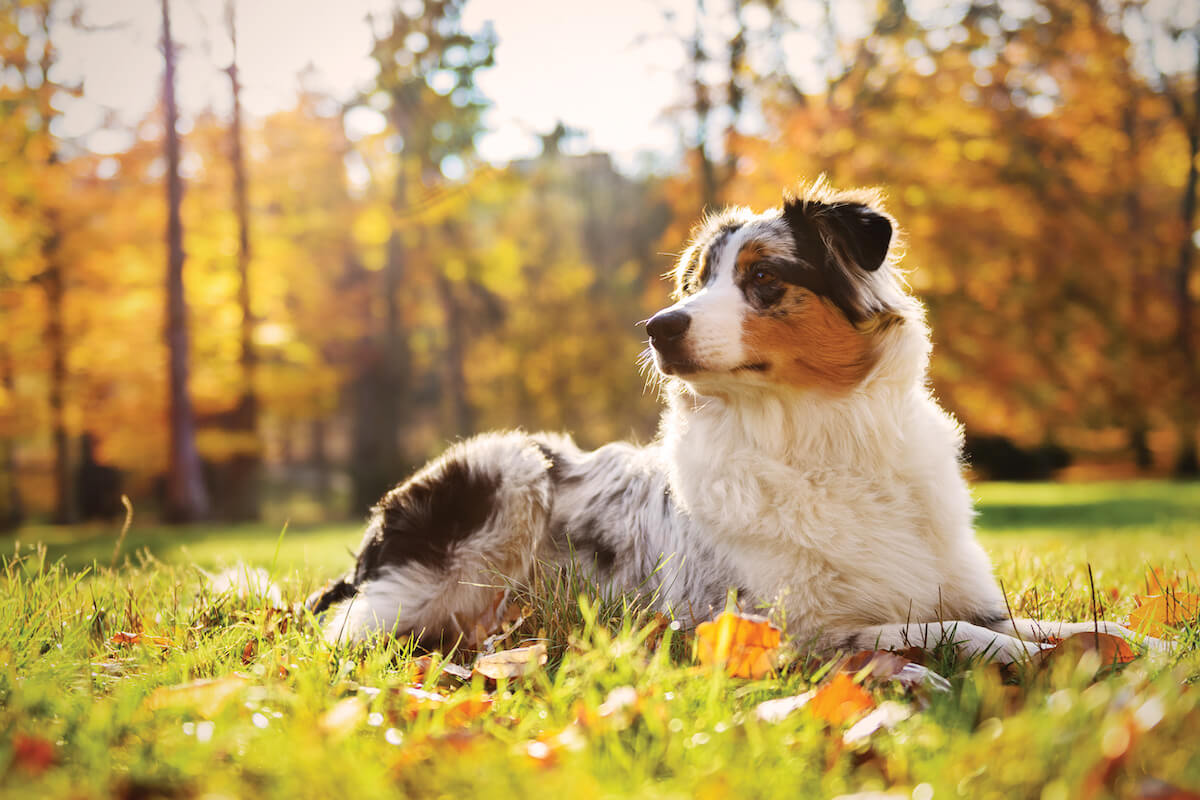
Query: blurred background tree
[[366, 282]]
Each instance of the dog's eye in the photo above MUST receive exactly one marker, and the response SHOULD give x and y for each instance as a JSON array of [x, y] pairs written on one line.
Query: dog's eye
[[761, 276]]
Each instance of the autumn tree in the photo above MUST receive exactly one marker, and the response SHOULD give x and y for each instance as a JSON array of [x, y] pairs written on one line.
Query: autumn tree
[[426, 89], [1005, 135], [187, 499], [241, 489], [1179, 85], [43, 221]]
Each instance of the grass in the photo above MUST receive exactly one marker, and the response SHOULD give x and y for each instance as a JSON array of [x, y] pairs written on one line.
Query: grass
[[83, 715]]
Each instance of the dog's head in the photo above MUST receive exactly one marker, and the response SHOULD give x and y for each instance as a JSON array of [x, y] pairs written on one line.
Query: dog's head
[[802, 296]]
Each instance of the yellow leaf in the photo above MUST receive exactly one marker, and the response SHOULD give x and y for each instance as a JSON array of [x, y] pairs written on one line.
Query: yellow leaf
[[1158, 614], [745, 645]]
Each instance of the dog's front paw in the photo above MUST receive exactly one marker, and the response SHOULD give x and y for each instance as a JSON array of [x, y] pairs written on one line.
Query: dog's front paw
[[1153, 645], [1011, 649]]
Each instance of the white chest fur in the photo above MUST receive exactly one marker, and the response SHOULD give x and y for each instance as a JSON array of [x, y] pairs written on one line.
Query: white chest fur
[[851, 511]]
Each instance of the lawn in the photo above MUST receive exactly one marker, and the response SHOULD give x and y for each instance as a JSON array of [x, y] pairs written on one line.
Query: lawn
[[621, 708]]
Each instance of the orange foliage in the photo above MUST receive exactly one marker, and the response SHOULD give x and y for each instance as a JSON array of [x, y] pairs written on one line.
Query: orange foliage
[[840, 700], [1159, 614], [745, 645]]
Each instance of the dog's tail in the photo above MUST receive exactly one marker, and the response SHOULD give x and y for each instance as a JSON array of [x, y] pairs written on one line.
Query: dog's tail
[[441, 548], [329, 594]]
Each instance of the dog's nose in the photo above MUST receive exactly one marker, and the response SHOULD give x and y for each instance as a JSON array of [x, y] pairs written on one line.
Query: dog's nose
[[667, 325]]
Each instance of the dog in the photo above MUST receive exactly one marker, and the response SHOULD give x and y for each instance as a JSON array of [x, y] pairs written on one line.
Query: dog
[[801, 461]]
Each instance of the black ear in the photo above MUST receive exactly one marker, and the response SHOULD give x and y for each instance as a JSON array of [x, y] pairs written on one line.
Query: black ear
[[853, 231]]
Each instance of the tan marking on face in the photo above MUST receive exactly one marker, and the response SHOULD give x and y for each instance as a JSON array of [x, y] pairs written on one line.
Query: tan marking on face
[[808, 343], [751, 253]]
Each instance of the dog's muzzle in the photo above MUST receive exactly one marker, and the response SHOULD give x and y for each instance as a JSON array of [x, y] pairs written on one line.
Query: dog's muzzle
[[668, 330]]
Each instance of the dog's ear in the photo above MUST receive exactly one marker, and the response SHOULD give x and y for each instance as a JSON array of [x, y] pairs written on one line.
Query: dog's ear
[[855, 235]]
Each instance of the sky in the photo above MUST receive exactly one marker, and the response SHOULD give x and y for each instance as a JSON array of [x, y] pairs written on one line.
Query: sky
[[611, 69], [606, 69]]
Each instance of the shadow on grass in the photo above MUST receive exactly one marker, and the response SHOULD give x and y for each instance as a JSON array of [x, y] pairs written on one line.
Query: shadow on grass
[[1107, 514]]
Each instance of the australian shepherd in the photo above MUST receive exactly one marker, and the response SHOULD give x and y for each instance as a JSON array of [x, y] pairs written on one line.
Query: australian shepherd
[[801, 461]]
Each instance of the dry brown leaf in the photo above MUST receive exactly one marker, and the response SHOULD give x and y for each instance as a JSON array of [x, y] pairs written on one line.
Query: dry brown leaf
[[1112, 649], [511, 664], [745, 645], [840, 700], [206, 697], [885, 665]]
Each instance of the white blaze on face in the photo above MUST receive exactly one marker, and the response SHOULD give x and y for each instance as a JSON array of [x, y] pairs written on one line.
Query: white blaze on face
[[714, 338]]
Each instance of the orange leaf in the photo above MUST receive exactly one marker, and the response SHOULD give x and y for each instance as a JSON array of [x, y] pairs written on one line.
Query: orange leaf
[[123, 637], [467, 710], [745, 645], [1158, 613], [1112, 649], [840, 700]]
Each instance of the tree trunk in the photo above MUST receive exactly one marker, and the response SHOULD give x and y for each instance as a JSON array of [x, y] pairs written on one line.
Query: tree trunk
[[187, 500], [702, 107], [319, 461], [1186, 461], [381, 396], [462, 418], [64, 490], [244, 470], [735, 92], [12, 512]]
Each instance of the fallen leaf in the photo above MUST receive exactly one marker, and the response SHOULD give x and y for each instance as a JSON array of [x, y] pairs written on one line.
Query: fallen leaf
[[885, 665], [840, 700], [125, 638], [778, 709], [464, 711], [33, 754], [745, 645], [423, 665], [1112, 649], [206, 697], [1158, 614], [511, 664], [343, 717]]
